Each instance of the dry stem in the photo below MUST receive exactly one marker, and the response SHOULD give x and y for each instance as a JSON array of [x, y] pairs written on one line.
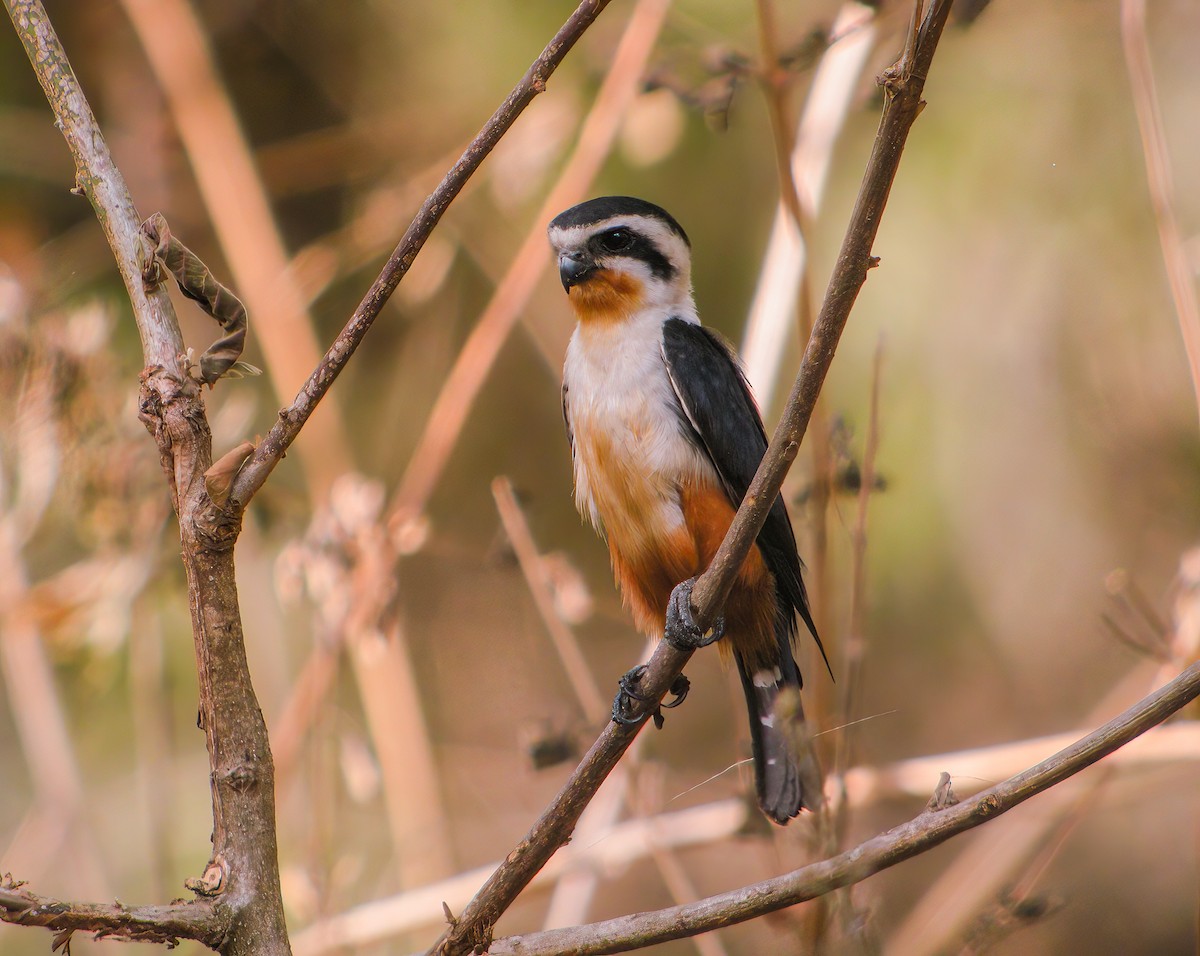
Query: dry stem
[[292, 418], [470, 370], [1180, 273], [242, 877], [887, 849], [554, 828]]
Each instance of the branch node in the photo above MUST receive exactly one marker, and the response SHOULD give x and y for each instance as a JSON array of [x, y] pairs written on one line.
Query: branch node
[[218, 480], [212, 883], [242, 777]]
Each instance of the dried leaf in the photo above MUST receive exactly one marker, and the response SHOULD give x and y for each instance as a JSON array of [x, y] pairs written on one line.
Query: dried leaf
[[197, 282]]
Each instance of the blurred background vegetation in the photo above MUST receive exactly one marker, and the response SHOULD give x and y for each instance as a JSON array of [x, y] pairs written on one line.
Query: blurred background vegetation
[[1038, 432]]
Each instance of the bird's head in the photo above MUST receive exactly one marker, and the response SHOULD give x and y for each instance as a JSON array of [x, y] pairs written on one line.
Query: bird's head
[[619, 256]]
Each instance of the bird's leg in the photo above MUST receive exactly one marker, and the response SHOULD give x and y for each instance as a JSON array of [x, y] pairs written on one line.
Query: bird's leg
[[628, 694], [682, 632]]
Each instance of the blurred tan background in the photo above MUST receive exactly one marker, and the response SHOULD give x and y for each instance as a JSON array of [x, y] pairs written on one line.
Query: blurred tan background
[[1038, 431]]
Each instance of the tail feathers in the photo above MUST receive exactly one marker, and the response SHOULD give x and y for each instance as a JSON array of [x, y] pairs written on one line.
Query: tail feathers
[[787, 777]]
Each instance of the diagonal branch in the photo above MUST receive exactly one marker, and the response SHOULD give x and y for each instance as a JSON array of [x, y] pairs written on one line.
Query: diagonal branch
[[904, 83], [1180, 273], [880, 852], [470, 370], [292, 418]]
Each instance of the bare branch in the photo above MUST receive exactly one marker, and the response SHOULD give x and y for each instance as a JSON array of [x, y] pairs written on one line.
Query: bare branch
[[1180, 273], [242, 876], [97, 177], [904, 84], [469, 372], [292, 418], [887, 849], [199, 919]]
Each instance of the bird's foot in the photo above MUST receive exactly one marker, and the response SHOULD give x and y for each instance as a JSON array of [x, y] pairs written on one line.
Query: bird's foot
[[682, 632], [629, 695]]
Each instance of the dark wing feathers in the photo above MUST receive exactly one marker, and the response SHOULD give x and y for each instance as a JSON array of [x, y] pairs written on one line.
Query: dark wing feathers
[[717, 407]]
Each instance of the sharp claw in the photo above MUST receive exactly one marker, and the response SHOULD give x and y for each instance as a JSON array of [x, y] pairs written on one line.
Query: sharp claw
[[630, 679], [619, 718], [679, 691], [681, 630], [627, 694]]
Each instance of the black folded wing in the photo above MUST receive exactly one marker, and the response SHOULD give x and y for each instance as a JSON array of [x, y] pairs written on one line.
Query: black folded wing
[[720, 415]]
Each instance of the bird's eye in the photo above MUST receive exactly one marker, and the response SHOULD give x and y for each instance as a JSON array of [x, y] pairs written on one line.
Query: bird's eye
[[616, 240]]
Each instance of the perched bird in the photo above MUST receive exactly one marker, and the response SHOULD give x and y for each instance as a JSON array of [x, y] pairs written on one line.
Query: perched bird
[[665, 438]]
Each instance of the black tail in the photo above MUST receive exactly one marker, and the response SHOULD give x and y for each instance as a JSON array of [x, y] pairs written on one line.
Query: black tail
[[786, 774]]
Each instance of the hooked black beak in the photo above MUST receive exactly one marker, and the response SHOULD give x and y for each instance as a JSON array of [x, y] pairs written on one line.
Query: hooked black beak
[[573, 268]]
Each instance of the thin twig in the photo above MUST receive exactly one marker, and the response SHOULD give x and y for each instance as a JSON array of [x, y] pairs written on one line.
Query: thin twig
[[784, 268], [625, 844], [553, 829], [97, 177], [920, 834], [1180, 273], [291, 419], [774, 83], [595, 706], [854, 648], [512, 293], [904, 87], [173, 41], [578, 886]]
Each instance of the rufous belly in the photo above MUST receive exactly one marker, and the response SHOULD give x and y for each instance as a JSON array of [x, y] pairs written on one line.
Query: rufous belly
[[661, 532]]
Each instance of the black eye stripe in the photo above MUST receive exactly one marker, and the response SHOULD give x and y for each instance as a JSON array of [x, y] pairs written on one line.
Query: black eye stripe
[[627, 243]]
